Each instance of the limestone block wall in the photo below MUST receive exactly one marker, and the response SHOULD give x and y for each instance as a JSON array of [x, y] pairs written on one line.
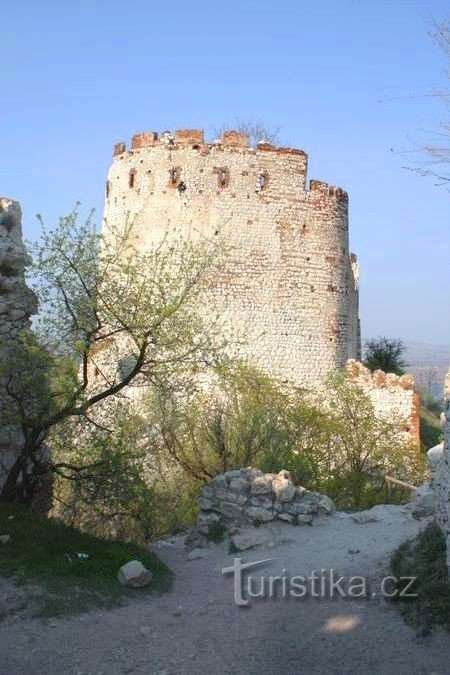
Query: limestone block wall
[[17, 304], [393, 397], [441, 477], [290, 291]]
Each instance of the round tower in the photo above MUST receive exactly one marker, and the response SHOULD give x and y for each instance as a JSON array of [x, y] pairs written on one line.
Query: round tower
[[290, 294]]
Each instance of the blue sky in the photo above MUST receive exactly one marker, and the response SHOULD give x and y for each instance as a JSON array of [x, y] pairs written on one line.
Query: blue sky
[[347, 81]]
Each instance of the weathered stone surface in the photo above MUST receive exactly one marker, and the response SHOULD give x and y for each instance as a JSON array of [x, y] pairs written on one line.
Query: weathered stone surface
[[365, 517], [326, 505], [260, 515], [249, 497], [393, 397], [282, 487], [303, 322], [441, 473], [207, 520], [134, 574], [249, 538], [17, 304], [262, 485], [238, 485], [263, 502], [424, 503], [231, 510], [205, 504]]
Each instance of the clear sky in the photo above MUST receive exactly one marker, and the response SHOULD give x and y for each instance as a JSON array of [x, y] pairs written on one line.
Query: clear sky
[[347, 81]]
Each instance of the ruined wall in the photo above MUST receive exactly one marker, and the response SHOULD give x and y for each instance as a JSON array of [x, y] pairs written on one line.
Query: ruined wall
[[393, 397], [290, 292], [17, 304], [441, 471]]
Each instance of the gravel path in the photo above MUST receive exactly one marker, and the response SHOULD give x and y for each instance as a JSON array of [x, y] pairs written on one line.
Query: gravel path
[[197, 629]]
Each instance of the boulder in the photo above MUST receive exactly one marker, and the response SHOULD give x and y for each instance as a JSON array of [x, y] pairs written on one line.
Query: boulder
[[262, 485], [326, 505], [134, 574], [282, 487], [260, 515], [424, 502], [248, 538], [231, 510]]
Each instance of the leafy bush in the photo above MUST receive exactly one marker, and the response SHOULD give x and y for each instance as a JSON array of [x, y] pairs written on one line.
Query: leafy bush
[[342, 448]]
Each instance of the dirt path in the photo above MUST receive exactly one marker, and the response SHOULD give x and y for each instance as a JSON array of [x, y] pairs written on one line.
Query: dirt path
[[197, 629]]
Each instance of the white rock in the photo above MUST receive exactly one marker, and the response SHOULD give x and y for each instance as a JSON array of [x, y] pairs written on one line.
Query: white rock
[[134, 574], [283, 488], [326, 505], [262, 485], [5, 538], [424, 502]]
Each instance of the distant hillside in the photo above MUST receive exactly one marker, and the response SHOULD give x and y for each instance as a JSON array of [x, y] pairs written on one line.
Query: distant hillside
[[429, 365]]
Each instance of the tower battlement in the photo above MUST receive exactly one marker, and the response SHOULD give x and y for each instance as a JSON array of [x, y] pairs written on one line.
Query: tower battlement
[[291, 294]]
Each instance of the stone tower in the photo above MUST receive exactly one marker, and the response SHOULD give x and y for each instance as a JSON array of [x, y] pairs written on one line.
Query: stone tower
[[291, 291]]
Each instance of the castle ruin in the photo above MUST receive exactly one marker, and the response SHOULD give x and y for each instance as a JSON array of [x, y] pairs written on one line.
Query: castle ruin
[[17, 304], [290, 294]]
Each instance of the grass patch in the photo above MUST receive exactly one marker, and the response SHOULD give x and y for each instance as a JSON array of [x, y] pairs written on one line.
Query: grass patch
[[46, 552], [430, 428], [424, 558]]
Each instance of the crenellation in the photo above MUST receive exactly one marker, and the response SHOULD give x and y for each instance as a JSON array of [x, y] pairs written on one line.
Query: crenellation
[[192, 137], [119, 149], [145, 139], [235, 139]]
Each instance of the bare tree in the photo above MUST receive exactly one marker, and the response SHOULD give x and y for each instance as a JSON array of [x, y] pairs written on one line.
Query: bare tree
[[437, 150], [256, 130]]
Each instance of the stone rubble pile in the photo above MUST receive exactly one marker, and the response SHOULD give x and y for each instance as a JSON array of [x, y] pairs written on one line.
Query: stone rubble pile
[[249, 497]]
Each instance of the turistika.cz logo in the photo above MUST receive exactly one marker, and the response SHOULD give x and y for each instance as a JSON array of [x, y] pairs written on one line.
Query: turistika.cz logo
[[326, 584]]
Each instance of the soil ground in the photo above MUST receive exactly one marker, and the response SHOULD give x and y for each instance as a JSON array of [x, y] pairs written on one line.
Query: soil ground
[[197, 629]]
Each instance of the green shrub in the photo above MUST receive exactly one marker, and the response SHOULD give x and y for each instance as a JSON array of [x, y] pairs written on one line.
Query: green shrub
[[425, 559]]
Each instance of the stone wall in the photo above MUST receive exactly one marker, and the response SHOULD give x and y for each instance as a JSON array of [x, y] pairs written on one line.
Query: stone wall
[[440, 468], [249, 497], [393, 397], [290, 292], [17, 305]]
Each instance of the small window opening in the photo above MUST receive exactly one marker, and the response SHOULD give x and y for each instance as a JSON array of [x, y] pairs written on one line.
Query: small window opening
[[175, 176], [107, 188], [132, 178], [223, 177], [263, 179]]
